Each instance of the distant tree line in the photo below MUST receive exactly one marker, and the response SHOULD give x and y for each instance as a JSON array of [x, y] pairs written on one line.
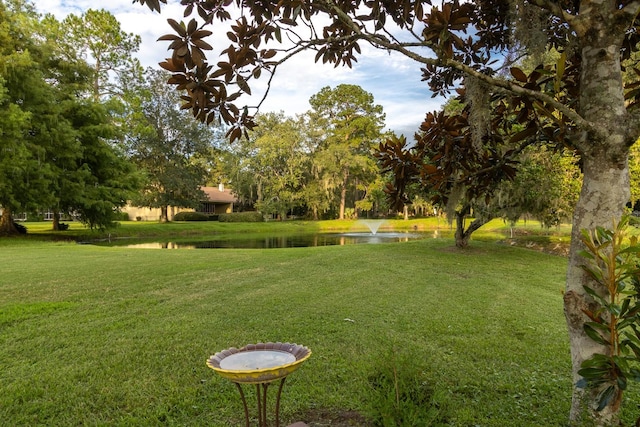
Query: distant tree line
[[86, 130]]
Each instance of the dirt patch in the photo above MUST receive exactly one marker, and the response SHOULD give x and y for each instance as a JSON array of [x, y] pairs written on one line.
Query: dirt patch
[[334, 418], [554, 248], [549, 247]]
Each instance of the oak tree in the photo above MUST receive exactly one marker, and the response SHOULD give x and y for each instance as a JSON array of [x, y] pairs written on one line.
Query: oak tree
[[279, 164], [347, 125], [166, 144]]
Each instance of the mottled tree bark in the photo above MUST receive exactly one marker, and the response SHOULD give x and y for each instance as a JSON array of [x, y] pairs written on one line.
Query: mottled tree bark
[[605, 189]]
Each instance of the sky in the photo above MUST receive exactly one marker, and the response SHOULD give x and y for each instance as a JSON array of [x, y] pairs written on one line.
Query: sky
[[393, 80]]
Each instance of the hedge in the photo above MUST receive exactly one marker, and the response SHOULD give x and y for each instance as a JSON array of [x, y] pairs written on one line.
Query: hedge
[[241, 217], [190, 216]]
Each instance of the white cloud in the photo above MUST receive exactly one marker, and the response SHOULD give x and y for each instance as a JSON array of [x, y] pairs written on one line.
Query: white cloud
[[394, 80]]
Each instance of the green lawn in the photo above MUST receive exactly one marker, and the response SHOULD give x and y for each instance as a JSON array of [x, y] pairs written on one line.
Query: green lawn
[[111, 336]]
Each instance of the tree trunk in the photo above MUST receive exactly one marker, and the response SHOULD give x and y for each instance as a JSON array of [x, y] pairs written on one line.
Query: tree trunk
[[7, 227], [462, 236], [164, 217], [604, 193], [343, 194], [56, 221], [605, 188]]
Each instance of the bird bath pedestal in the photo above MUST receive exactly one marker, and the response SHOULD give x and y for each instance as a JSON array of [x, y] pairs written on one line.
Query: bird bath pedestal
[[259, 364]]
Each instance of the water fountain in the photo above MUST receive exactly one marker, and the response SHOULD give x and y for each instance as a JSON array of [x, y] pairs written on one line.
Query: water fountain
[[372, 224]]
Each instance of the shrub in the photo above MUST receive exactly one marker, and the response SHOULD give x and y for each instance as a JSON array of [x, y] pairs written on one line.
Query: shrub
[[612, 261], [190, 216], [63, 226], [121, 216], [241, 217], [35, 217]]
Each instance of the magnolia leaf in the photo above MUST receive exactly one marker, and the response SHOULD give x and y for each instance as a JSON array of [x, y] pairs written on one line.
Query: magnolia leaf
[[597, 360], [200, 34], [586, 254], [518, 74], [605, 398], [594, 375], [191, 27], [168, 37], [178, 27], [635, 249], [242, 84], [594, 334], [201, 44], [635, 374]]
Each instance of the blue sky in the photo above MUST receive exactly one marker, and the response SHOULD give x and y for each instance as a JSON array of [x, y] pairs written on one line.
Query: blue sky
[[393, 80]]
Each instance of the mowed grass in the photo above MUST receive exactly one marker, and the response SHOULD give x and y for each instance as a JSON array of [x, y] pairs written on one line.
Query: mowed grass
[[112, 336]]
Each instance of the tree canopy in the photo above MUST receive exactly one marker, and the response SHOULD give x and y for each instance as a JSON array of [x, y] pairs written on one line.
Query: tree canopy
[[96, 36], [348, 127], [56, 139], [166, 144], [320, 163]]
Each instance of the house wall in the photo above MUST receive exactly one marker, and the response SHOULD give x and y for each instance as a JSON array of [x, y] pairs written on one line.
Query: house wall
[[215, 208], [151, 214], [226, 208]]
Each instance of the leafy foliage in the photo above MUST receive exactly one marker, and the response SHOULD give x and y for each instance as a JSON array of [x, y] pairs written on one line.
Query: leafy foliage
[[277, 164], [166, 144], [57, 153], [97, 35], [241, 217], [614, 322], [190, 216], [546, 186], [346, 126], [318, 163]]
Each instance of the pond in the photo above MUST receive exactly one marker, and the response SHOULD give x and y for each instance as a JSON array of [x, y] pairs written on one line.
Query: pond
[[233, 241]]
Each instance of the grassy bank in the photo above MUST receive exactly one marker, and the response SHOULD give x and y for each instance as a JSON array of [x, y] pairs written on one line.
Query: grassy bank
[[112, 336], [491, 231]]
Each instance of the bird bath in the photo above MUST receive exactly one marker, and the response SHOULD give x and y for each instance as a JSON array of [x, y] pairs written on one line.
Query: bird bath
[[259, 364]]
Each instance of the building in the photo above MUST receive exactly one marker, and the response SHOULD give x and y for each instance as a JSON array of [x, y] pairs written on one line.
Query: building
[[217, 200]]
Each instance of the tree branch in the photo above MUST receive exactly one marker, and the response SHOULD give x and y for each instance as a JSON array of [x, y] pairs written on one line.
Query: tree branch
[[497, 83], [506, 85], [555, 9], [632, 9]]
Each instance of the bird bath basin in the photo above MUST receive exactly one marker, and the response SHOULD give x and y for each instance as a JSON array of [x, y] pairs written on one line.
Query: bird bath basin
[[259, 364]]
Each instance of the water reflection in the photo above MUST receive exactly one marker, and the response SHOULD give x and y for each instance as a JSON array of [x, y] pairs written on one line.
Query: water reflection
[[274, 241]]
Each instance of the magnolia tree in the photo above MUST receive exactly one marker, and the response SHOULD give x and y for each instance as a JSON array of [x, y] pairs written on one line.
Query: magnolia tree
[[580, 102]]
